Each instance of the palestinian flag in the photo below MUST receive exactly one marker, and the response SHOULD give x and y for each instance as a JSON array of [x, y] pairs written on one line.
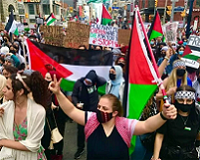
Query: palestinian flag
[[70, 64], [94, 1], [156, 28], [141, 76], [11, 26], [192, 53], [50, 19], [106, 17]]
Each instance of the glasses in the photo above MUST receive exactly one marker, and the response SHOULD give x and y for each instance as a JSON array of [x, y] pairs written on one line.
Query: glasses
[[186, 101]]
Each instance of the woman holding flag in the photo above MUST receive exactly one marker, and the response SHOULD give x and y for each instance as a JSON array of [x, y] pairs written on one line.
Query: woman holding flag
[[179, 138], [107, 132]]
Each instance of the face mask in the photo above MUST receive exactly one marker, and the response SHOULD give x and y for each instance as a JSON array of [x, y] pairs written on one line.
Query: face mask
[[5, 40], [103, 117], [184, 43], [12, 51], [183, 107], [151, 42], [121, 64], [2, 34], [112, 76], [180, 52], [180, 72]]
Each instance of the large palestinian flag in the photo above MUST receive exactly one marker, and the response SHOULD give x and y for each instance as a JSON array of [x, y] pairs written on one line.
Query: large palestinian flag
[[142, 78], [70, 64], [106, 17], [156, 28]]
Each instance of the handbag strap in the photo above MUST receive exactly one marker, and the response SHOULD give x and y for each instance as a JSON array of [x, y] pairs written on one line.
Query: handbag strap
[[54, 121]]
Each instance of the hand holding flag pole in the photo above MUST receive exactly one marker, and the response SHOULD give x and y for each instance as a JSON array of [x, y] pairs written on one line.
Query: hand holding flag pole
[[160, 83]]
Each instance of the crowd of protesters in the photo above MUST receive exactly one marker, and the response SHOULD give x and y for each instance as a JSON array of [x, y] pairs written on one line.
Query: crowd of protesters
[[34, 108]]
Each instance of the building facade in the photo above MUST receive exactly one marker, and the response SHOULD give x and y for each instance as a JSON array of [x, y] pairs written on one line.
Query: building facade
[[147, 9]]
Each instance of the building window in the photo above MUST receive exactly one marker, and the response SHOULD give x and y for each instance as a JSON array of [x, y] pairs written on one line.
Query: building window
[[151, 3], [31, 9], [143, 3], [198, 2], [46, 9], [32, 20]]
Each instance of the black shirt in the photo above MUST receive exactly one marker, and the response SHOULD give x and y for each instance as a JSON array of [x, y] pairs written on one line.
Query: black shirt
[[178, 134], [101, 147]]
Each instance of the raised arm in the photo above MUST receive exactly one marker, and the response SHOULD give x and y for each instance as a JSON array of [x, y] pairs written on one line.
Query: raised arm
[[155, 122], [69, 109]]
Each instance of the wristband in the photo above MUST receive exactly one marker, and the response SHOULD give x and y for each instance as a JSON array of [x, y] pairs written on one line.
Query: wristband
[[163, 117], [166, 58]]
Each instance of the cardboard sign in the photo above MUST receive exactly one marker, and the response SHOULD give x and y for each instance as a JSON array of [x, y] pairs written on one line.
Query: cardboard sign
[[77, 34], [194, 41], [106, 36], [53, 35], [2, 27], [124, 36], [170, 31]]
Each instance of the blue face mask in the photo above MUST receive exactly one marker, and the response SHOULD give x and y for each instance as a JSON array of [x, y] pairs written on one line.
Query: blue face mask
[[184, 43], [180, 52], [151, 42]]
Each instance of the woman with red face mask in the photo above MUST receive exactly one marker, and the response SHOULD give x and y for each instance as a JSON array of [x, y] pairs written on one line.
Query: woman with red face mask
[[109, 134]]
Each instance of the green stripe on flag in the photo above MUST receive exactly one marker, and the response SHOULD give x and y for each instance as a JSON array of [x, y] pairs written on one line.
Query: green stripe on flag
[[16, 32], [155, 34], [105, 21], [139, 95], [67, 85], [192, 57], [50, 21]]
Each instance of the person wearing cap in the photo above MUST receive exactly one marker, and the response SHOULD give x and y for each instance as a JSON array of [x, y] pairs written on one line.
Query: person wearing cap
[[177, 78], [179, 138], [85, 97], [12, 58]]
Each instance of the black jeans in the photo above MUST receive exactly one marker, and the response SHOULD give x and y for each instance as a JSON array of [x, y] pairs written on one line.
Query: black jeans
[[80, 137]]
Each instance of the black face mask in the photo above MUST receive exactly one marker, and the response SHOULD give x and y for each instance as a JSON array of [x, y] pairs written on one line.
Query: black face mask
[[12, 51], [103, 117], [198, 79], [183, 107], [121, 64], [5, 40], [112, 76], [180, 72]]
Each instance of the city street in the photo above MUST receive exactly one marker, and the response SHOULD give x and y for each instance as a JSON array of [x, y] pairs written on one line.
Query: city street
[[70, 146]]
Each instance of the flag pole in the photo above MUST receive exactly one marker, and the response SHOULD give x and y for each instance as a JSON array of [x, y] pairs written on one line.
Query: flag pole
[[160, 83]]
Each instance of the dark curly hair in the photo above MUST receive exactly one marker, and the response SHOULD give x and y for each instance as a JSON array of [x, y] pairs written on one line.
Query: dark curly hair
[[37, 85]]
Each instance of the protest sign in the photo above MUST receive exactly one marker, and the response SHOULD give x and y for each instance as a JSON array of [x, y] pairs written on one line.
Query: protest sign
[[2, 27], [170, 31], [53, 35], [106, 36], [124, 36], [77, 34], [194, 52]]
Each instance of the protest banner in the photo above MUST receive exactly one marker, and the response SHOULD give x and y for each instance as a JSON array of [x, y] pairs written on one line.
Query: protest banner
[[170, 31], [53, 35], [77, 34], [193, 48], [124, 36], [106, 36], [2, 27]]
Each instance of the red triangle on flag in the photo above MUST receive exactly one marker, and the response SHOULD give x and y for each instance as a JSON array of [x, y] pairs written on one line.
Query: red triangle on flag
[[52, 16], [157, 24], [139, 70], [39, 59], [105, 13], [187, 51]]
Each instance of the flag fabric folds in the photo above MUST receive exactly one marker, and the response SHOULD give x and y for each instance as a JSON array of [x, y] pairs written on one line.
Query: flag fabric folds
[[70, 64], [106, 17], [11, 26], [142, 78], [50, 19], [156, 28]]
